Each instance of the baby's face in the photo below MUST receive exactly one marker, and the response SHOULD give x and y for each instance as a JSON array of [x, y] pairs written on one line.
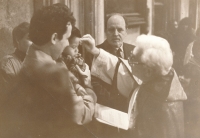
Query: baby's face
[[72, 49]]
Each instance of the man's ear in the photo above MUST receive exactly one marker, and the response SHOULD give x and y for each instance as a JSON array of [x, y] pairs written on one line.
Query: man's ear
[[53, 38]]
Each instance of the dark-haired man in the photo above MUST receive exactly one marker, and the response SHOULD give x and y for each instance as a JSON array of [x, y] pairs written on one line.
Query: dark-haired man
[[44, 103]]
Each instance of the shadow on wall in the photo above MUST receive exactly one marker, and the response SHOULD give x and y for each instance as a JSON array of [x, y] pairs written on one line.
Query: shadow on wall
[[6, 44]]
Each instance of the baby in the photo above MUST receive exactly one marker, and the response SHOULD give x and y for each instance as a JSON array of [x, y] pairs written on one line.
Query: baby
[[72, 57]]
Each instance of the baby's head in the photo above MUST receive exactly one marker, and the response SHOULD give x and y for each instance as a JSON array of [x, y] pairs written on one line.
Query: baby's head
[[74, 39]]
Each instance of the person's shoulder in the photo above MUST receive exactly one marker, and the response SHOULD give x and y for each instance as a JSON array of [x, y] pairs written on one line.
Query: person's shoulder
[[128, 47], [8, 59], [51, 76], [51, 68]]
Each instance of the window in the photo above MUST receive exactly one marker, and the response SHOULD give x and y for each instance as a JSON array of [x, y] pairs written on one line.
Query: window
[[133, 10]]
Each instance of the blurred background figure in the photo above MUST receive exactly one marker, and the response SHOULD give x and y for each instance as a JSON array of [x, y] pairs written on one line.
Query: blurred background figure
[[184, 35], [169, 33], [191, 83], [172, 29], [11, 64]]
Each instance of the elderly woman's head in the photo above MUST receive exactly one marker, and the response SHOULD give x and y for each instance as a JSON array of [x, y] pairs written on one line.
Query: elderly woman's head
[[151, 57]]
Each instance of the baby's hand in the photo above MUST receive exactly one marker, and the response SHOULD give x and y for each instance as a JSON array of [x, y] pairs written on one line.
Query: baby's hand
[[85, 73], [86, 76], [80, 91]]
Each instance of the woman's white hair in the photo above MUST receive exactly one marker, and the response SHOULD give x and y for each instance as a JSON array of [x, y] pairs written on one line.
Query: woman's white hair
[[154, 52]]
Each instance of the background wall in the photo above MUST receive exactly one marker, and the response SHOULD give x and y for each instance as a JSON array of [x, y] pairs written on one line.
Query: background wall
[[12, 13], [90, 15], [132, 35]]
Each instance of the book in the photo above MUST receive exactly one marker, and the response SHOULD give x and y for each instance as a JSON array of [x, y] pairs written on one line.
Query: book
[[113, 117]]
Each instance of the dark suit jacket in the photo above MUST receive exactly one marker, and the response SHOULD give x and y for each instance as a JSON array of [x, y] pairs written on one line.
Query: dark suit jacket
[[127, 48]]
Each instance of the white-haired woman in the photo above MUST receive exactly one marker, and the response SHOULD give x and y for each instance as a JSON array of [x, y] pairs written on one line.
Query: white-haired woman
[[160, 98], [158, 110]]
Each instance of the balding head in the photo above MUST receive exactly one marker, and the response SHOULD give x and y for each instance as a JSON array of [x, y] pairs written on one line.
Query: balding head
[[114, 15], [116, 30]]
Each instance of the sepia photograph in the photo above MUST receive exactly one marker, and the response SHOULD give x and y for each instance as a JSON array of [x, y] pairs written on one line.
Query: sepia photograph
[[99, 68]]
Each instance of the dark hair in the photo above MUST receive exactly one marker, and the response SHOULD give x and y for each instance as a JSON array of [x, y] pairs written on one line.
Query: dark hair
[[49, 20], [185, 21], [112, 14], [75, 33], [19, 32]]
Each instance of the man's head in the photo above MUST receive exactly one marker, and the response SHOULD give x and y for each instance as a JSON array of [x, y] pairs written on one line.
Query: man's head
[[74, 40], [116, 30], [152, 57], [20, 37], [52, 26], [185, 24]]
